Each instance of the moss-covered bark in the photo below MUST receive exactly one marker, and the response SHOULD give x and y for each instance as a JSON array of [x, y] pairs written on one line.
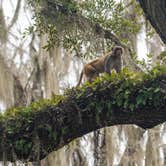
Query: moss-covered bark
[[33, 132], [155, 11]]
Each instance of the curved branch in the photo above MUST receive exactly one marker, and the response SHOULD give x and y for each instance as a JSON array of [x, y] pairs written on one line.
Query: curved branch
[[30, 135]]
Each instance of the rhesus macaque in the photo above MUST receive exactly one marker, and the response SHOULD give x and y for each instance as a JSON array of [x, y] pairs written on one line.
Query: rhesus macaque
[[106, 63]]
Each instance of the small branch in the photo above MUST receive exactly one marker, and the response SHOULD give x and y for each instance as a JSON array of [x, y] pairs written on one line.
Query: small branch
[[15, 16], [29, 79]]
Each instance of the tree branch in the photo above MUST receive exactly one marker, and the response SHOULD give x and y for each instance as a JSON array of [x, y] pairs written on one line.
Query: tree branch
[[33, 132], [51, 9], [15, 16]]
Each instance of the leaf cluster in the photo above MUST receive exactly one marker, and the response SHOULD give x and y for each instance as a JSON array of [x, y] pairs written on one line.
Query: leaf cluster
[[130, 91], [58, 20]]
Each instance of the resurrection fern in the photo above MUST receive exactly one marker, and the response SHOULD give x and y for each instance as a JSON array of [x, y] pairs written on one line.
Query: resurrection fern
[[123, 87], [60, 119]]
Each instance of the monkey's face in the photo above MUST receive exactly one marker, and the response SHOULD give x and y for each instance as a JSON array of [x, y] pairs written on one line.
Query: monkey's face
[[118, 52]]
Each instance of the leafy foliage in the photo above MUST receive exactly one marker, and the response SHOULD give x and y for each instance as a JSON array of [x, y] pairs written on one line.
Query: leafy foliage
[[110, 15], [35, 106], [66, 23], [55, 121], [162, 58], [128, 93]]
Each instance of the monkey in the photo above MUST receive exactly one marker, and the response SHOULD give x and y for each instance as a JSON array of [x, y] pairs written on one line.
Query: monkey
[[106, 63]]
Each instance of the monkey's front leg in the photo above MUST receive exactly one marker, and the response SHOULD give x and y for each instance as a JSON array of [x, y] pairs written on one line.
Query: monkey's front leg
[[107, 69]]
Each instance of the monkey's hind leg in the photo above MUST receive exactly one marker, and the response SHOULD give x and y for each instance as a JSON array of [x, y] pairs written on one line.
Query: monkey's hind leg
[[91, 73]]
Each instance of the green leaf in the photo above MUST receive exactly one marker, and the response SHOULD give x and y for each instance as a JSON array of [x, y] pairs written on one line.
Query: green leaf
[[156, 90]]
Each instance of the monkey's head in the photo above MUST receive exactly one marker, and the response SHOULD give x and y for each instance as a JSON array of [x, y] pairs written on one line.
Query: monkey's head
[[117, 51]]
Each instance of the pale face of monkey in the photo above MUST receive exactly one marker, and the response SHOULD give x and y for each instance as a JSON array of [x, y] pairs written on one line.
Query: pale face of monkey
[[117, 51]]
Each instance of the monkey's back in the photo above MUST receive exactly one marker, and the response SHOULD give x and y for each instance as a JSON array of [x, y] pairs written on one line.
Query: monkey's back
[[98, 64]]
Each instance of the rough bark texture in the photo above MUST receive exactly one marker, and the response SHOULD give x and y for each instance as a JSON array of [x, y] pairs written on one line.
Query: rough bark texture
[[32, 135], [155, 12]]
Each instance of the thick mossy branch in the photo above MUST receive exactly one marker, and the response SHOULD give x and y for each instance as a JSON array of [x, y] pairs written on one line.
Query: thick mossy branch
[[33, 132]]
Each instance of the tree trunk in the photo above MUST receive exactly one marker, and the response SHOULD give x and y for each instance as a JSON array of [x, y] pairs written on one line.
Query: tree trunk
[[155, 12]]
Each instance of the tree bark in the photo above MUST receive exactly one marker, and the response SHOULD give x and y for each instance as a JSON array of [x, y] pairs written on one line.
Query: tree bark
[[31, 135], [155, 12]]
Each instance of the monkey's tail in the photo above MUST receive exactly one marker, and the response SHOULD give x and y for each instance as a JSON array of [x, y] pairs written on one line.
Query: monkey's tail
[[79, 82]]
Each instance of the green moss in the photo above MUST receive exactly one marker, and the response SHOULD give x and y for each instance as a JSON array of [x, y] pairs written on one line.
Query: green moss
[[127, 91], [65, 130], [35, 106], [122, 86], [22, 146]]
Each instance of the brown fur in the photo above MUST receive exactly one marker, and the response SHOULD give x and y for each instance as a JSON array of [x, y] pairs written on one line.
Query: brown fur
[[106, 63]]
